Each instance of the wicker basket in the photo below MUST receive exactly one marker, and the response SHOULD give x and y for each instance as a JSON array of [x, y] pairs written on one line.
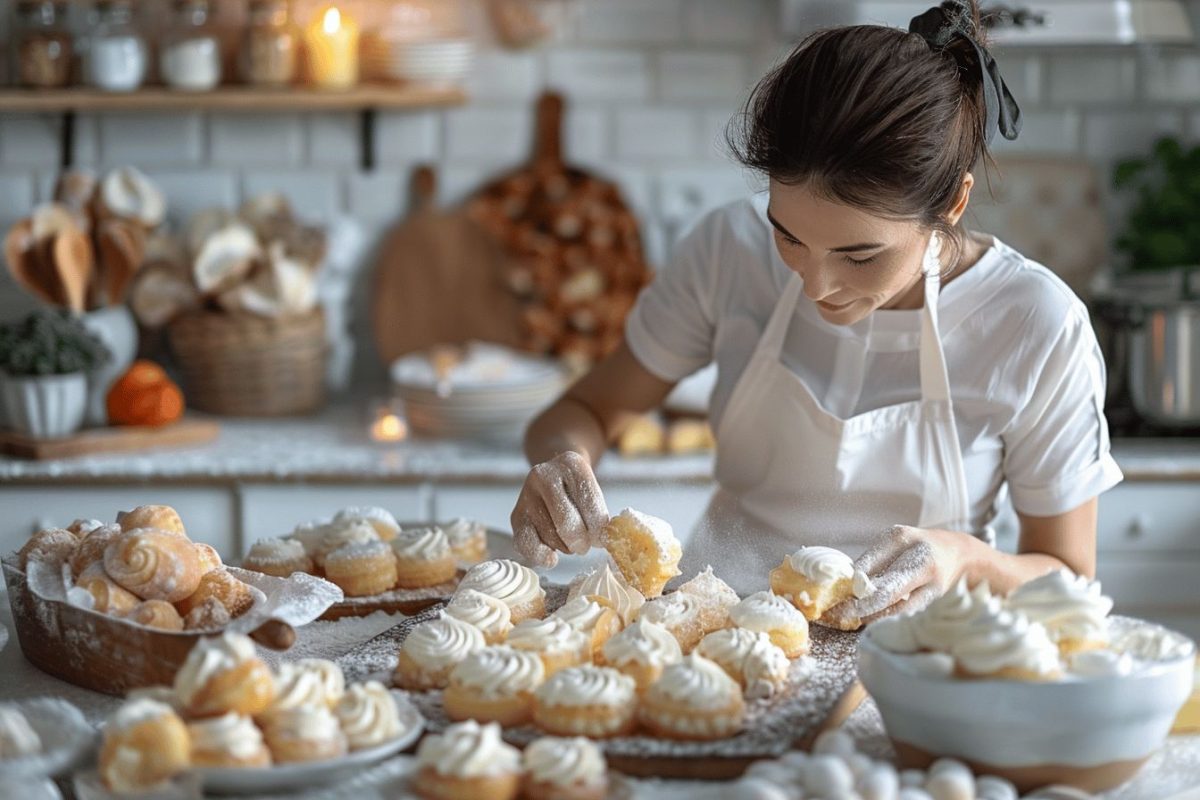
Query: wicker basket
[[244, 365]]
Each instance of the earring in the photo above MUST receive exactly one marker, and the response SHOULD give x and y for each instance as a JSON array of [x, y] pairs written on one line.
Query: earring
[[933, 263]]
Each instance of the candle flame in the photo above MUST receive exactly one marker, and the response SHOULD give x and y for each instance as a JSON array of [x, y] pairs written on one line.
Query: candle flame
[[332, 21], [389, 428]]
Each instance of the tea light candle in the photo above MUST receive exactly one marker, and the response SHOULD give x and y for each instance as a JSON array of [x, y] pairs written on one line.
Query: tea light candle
[[331, 44], [388, 423]]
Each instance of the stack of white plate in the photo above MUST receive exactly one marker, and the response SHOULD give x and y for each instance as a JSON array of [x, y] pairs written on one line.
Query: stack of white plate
[[434, 62], [491, 396]]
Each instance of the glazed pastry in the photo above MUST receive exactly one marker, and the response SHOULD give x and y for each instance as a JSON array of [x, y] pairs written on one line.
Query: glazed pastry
[[612, 588], [586, 701], [18, 739], [211, 615], [82, 527], [304, 733], [717, 597], [368, 716], [423, 558], [91, 547], [814, 579], [1069, 606], [145, 744], [1004, 644], [938, 626], [224, 674], [361, 570], [693, 699], [161, 518], [489, 615], [771, 614], [432, 649], [468, 761], [278, 557], [227, 741], [156, 614], [554, 640], [218, 583], [106, 596], [495, 684], [310, 535], [645, 550], [339, 535], [564, 769], [307, 682], [592, 617], [518, 586], [468, 541], [210, 559], [154, 564], [750, 658], [385, 525], [680, 614], [641, 651], [53, 546]]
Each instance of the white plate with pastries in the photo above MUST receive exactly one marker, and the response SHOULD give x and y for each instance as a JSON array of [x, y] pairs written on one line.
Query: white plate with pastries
[[302, 776]]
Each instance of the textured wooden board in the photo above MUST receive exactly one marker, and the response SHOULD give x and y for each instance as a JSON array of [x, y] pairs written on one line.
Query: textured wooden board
[[187, 432]]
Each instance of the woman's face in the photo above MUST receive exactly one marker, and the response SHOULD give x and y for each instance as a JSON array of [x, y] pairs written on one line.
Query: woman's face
[[851, 262]]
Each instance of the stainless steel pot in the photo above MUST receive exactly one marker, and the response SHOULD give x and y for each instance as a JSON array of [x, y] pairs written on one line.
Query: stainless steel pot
[[1164, 363]]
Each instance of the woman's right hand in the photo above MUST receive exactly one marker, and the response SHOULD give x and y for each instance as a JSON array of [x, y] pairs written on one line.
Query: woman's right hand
[[560, 508]]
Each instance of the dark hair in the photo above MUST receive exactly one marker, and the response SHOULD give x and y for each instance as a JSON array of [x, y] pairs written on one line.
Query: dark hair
[[872, 117]]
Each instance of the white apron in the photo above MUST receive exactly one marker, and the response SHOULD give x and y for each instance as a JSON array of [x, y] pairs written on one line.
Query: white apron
[[792, 474]]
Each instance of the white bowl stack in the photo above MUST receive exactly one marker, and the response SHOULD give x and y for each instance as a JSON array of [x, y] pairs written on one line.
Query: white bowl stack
[[429, 62]]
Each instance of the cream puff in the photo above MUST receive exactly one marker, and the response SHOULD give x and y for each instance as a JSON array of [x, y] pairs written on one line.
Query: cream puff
[[278, 557], [641, 651], [467, 761], [333, 536], [592, 617], [368, 715], [91, 547], [612, 589], [18, 739], [385, 525], [693, 699], [769, 613], [362, 570], [586, 701], [304, 733], [645, 550], [554, 640], [517, 585], [750, 658], [210, 616], [224, 674], [144, 744], [564, 769], [423, 558], [53, 547], [495, 684], [101, 593], [156, 614], [230, 740], [717, 597], [307, 682], [1069, 606], [814, 579], [234, 594], [311, 535], [468, 541], [489, 615], [432, 649], [154, 564], [1004, 644], [162, 518], [679, 613], [209, 558]]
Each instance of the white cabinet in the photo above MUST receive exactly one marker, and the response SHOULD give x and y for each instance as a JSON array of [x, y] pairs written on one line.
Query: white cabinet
[[1158, 517]]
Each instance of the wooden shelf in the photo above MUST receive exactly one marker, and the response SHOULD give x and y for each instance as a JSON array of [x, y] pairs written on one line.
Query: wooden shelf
[[231, 98]]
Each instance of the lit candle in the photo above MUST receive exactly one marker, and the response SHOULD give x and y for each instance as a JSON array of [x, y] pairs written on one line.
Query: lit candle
[[331, 44], [389, 428]]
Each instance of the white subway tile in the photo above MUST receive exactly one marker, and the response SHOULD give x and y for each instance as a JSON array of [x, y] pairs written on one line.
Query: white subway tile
[[16, 197], [334, 140], [490, 134], [1173, 78], [693, 75], [655, 244], [151, 139], [407, 136], [636, 186], [1043, 132], [1078, 78], [87, 140], [30, 141], [505, 75], [655, 133], [716, 123], [316, 196], [599, 74], [256, 140], [457, 181], [192, 190], [726, 22], [586, 135], [630, 21], [378, 197], [685, 194], [1121, 134]]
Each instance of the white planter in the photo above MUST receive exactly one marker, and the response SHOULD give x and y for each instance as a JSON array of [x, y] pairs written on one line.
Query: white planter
[[46, 406], [115, 327]]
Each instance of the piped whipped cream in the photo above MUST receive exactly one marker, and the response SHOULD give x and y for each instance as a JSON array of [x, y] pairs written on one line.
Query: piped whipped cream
[[505, 580], [643, 642], [442, 642], [565, 762], [822, 564], [611, 586], [587, 685], [490, 615], [1070, 606], [469, 750], [1001, 639]]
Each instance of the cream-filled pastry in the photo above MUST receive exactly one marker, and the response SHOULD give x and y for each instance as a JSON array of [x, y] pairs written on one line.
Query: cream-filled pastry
[[368, 715], [362, 570], [1069, 606], [278, 557], [423, 558], [490, 615], [304, 733], [591, 617], [18, 739], [468, 761], [385, 525], [91, 547], [557, 643], [162, 518], [717, 596], [495, 684], [641, 651], [769, 613], [95, 590], [1000, 643], [310, 535], [224, 674], [586, 701], [517, 585], [144, 744], [679, 613], [307, 682], [645, 550], [612, 588], [337, 535], [564, 769], [693, 699], [938, 626], [468, 540], [230, 740], [814, 579], [749, 657], [154, 564], [432, 649]]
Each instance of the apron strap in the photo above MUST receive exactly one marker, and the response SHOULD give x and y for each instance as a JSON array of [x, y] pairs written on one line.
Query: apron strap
[[771, 343]]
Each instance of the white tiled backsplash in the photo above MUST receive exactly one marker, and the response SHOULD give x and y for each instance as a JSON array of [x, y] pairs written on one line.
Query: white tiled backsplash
[[651, 85]]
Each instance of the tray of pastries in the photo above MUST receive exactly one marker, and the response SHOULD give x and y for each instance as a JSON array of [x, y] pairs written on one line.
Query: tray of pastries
[[694, 683], [377, 562], [112, 607]]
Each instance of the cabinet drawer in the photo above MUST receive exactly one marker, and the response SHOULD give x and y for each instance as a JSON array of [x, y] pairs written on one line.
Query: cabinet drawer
[[1150, 517], [207, 512], [1140, 582], [275, 510]]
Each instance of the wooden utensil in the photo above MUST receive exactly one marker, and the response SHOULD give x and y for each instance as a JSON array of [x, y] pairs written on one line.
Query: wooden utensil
[[121, 250], [21, 255], [73, 259], [439, 279]]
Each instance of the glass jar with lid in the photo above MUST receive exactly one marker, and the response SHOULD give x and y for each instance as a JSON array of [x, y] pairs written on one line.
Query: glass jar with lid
[[270, 47], [43, 44], [190, 54], [116, 53]]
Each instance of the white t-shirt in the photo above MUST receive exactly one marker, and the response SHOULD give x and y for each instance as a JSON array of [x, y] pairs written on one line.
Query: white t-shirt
[[1026, 375]]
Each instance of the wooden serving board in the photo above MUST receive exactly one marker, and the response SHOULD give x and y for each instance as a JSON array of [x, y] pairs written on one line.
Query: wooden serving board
[[823, 692], [186, 432]]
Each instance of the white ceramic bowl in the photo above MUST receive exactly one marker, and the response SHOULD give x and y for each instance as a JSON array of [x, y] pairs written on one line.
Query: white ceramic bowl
[[1093, 733]]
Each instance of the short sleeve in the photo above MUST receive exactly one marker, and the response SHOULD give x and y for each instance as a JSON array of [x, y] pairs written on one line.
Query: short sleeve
[[1056, 450], [671, 327]]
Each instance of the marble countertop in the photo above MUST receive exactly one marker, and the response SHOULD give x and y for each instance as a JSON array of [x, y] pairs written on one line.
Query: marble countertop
[[333, 447]]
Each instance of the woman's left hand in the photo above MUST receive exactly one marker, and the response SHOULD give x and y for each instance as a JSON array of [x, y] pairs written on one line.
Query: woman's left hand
[[910, 567]]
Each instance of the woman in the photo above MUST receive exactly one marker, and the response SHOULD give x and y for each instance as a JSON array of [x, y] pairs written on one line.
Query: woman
[[883, 375]]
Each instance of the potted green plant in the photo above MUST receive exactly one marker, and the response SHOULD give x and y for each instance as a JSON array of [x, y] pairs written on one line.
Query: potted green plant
[[1164, 224], [45, 360]]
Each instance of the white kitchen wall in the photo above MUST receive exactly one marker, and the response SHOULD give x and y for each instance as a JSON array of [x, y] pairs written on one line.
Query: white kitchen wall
[[651, 85]]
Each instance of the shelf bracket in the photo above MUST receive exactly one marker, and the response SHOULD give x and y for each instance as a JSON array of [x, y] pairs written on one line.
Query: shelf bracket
[[67, 140], [367, 137]]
